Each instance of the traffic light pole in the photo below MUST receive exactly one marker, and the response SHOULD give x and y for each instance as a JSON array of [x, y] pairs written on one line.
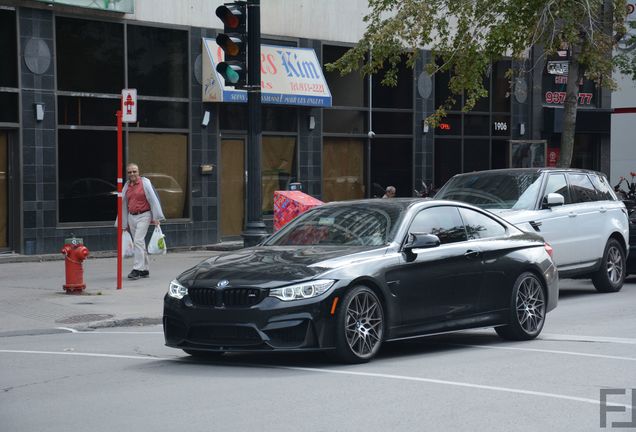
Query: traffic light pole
[[254, 230]]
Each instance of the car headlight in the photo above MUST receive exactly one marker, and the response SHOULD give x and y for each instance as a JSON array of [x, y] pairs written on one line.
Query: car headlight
[[303, 290], [177, 290]]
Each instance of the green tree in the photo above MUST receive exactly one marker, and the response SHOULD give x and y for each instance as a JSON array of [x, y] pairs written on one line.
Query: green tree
[[466, 36]]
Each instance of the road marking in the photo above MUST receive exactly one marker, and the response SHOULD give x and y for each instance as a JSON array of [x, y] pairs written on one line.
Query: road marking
[[81, 354], [579, 338], [68, 329], [451, 383], [344, 372], [543, 351]]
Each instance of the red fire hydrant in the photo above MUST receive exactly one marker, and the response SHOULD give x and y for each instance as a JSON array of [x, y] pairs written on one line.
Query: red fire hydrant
[[74, 252]]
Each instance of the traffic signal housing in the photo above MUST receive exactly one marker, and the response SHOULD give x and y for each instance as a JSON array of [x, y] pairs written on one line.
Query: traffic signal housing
[[233, 42]]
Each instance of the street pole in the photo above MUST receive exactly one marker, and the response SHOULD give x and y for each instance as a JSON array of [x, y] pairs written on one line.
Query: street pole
[[254, 230], [120, 181]]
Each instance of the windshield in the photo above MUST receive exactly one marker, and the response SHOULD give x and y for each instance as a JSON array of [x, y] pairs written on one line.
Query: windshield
[[350, 225], [501, 190]]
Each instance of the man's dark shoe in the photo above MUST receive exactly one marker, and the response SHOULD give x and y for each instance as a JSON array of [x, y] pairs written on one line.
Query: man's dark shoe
[[143, 273], [134, 275]]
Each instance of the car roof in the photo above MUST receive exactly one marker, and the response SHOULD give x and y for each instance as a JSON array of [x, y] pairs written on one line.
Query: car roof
[[527, 170]]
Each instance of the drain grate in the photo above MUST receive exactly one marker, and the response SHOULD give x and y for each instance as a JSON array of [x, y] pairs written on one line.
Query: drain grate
[[84, 318]]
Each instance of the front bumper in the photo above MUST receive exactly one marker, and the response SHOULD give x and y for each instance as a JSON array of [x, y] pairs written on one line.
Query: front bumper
[[269, 325]]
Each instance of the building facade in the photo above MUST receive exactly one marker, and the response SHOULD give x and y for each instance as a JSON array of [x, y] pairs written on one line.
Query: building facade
[[65, 63]]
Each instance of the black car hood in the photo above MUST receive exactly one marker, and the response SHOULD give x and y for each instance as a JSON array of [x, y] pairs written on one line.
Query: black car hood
[[273, 266]]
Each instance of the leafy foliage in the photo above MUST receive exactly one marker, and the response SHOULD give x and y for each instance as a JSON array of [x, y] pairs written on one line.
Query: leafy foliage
[[466, 36]]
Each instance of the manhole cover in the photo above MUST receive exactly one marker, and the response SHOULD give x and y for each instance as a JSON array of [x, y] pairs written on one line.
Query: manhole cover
[[84, 318]]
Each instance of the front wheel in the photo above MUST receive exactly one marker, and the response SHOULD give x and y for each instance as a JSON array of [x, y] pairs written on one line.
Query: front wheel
[[360, 326], [611, 274], [527, 309]]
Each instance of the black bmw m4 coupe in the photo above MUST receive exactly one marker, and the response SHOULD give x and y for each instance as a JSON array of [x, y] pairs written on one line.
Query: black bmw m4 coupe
[[349, 276]]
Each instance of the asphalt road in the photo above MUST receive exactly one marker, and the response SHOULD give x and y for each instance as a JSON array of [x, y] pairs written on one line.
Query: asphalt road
[[124, 379]]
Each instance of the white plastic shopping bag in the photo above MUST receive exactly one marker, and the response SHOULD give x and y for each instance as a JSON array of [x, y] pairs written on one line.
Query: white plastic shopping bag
[[127, 245], [157, 245]]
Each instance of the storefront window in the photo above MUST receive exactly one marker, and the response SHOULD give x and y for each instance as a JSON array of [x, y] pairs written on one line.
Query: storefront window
[[8, 107], [399, 96], [87, 111], [90, 55], [500, 87], [87, 175], [476, 155], [344, 121], [391, 165], [476, 124], [163, 158], [347, 90], [393, 122], [342, 169], [278, 167], [8, 48], [158, 61], [448, 161]]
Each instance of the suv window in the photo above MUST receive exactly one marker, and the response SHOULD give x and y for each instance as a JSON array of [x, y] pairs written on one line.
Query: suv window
[[582, 188], [557, 184], [602, 188], [444, 222], [480, 226]]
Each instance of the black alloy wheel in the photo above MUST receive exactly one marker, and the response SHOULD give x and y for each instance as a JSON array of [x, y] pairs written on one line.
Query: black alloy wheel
[[527, 309], [611, 274], [360, 326]]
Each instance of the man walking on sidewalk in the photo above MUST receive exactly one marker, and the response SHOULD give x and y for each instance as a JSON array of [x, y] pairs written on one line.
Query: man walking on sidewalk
[[140, 208]]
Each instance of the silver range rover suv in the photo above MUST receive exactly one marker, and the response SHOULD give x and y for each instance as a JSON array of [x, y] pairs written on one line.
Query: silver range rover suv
[[576, 212]]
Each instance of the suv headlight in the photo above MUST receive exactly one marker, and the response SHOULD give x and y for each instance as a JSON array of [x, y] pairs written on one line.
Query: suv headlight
[[177, 290], [303, 290]]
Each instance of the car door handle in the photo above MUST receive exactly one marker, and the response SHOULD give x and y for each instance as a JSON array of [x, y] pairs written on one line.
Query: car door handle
[[602, 209], [572, 214], [472, 254]]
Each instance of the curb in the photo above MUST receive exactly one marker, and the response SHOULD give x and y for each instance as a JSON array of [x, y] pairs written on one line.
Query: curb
[[19, 258]]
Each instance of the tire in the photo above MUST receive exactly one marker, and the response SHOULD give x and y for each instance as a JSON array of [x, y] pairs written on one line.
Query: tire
[[360, 326], [611, 274], [527, 309], [204, 355]]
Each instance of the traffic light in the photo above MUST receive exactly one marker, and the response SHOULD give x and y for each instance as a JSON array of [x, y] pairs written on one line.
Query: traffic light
[[234, 43]]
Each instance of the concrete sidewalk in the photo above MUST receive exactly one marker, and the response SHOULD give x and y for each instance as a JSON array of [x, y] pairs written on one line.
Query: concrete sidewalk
[[32, 299]]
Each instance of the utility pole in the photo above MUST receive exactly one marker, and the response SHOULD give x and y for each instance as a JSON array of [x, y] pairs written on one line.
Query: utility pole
[[254, 230]]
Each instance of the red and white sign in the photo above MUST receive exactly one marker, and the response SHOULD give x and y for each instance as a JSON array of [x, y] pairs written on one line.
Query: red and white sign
[[129, 105]]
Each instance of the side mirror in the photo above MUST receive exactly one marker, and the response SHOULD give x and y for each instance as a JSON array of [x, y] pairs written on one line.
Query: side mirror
[[553, 200], [420, 241]]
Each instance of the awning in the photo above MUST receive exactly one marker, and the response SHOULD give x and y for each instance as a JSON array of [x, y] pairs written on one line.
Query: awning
[[289, 76]]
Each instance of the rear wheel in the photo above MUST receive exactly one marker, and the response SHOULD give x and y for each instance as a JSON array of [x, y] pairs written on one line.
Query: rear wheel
[[611, 274], [527, 309], [360, 326]]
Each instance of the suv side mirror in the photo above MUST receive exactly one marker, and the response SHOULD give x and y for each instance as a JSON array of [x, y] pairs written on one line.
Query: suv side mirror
[[553, 200]]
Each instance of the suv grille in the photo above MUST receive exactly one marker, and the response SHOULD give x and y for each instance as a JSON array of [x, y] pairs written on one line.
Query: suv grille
[[229, 297]]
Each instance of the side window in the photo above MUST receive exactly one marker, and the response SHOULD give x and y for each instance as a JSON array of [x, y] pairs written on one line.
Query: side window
[[444, 222], [602, 187], [582, 188], [480, 226], [557, 184]]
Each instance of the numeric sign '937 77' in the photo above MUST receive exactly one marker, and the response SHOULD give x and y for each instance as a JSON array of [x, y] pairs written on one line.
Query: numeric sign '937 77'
[[559, 98]]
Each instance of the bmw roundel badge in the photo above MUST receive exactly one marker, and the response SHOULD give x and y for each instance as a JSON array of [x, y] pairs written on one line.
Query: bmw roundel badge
[[222, 283]]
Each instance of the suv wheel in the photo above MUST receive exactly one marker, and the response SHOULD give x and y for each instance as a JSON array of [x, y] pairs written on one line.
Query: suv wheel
[[611, 274]]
